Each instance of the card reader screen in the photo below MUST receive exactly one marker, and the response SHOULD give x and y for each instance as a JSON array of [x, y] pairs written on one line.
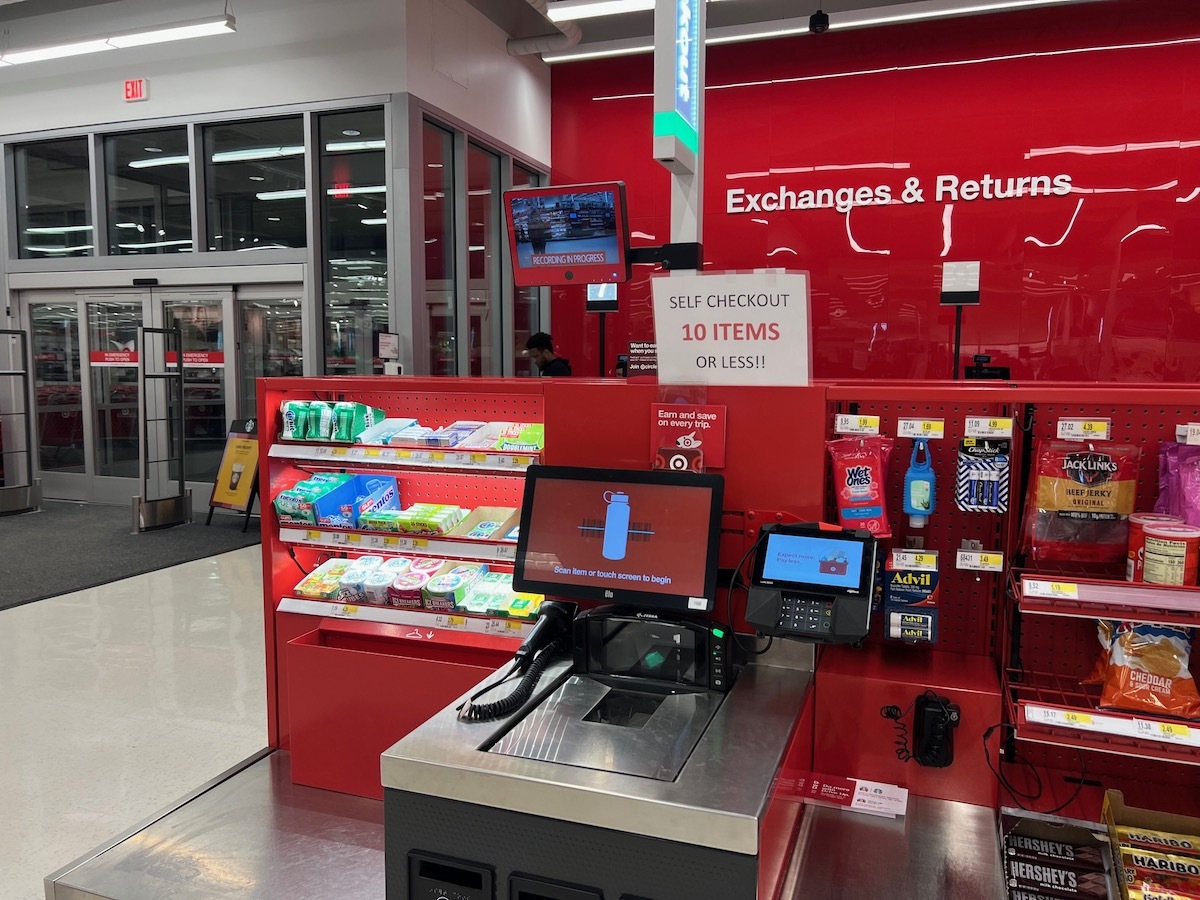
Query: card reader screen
[[804, 559]]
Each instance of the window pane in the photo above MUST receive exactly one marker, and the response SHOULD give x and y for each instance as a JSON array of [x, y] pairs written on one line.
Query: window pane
[[354, 200], [439, 252], [484, 256], [527, 302], [54, 209], [200, 322], [255, 184], [149, 192]]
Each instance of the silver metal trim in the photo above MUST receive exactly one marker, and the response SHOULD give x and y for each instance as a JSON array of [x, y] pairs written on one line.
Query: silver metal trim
[[97, 181], [151, 819], [197, 179], [716, 801], [462, 266]]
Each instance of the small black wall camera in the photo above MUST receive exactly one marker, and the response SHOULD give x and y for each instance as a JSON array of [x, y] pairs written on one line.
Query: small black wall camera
[[818, 22]]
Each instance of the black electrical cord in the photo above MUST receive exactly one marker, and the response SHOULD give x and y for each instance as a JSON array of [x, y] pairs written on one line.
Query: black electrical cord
[[498, 709], [897, 716], [733, 584], [292, 553], [1017, 795]]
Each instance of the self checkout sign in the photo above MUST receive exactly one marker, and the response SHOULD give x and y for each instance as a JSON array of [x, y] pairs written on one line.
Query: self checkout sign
[[678, 83]]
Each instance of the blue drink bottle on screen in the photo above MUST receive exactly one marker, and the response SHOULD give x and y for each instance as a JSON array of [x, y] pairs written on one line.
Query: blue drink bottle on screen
[[616, 524]]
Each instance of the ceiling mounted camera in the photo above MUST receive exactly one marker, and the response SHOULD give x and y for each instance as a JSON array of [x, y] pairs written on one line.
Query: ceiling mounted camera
[[818, 22]]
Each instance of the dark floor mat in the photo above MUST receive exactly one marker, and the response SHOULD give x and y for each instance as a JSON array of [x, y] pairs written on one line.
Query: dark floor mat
[[71, 546]]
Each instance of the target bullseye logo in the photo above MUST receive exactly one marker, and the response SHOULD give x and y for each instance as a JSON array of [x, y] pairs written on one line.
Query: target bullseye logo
[[678, 459]]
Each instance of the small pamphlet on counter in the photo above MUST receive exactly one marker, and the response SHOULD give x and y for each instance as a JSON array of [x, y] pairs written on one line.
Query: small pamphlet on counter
[[854, 794]]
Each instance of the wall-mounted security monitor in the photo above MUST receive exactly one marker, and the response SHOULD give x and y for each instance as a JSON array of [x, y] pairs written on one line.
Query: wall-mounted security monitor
[[628, 537], [568, 234]]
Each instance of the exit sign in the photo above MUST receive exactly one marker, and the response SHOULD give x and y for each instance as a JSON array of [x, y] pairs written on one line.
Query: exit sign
[[136, 89]]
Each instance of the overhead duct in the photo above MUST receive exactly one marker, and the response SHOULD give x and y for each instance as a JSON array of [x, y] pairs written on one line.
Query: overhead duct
[[569, 34]]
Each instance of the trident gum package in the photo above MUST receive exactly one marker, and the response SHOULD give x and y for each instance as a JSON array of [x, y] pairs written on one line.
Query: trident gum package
[[859, 468], [1080, 498], [1148, 671]]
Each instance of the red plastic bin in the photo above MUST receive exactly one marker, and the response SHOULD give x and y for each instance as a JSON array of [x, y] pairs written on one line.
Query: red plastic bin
[[355, 688]]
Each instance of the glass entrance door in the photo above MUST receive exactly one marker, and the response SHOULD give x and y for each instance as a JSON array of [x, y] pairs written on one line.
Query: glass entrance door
[[112, 330], [201, 317], [84, 349], [270, 340], [58, 396]]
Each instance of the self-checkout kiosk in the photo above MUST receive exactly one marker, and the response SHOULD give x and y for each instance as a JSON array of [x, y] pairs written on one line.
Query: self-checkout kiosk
[[630, 750]]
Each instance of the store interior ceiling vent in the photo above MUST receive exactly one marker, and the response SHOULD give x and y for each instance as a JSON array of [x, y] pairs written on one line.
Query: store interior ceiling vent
[[729, 21]]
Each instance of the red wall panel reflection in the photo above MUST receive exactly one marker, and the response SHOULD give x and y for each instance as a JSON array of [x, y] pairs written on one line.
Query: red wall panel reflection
[[1101, 282]]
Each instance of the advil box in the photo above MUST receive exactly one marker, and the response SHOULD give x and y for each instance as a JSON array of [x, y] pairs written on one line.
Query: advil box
[[910, 604]]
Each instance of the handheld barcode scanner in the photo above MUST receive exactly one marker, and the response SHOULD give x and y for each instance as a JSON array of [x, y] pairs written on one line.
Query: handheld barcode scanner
[[813, 582]]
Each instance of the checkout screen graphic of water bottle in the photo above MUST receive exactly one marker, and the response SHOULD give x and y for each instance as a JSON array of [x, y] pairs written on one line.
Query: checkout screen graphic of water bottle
[[617, 529]]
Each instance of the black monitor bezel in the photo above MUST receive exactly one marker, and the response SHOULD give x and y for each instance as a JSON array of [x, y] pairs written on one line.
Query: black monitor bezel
[[865, 576], [648, 600]]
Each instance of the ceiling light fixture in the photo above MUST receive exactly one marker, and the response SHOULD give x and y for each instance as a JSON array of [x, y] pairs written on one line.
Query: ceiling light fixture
[[374, 221], [157, 161], [351, 132], [61, 229], [347, 146], [254, 153], [157, 34]]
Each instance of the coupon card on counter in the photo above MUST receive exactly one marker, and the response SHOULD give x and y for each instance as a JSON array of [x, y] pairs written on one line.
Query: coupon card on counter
[[854, 794]]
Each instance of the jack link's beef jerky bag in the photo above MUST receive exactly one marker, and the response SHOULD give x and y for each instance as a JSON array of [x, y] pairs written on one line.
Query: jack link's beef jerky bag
[[1080, 498]]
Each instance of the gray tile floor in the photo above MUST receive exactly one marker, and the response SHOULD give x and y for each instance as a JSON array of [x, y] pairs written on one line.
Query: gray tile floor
[[118, 700]]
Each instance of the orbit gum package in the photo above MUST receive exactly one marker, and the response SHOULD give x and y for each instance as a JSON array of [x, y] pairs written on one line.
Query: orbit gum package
[[1080, 499], [859, 467]]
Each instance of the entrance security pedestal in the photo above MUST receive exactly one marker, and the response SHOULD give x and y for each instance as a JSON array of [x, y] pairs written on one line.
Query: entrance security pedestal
[[555, 814]]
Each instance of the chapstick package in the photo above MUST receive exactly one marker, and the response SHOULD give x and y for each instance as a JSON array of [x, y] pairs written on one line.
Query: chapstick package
[[859, 467]]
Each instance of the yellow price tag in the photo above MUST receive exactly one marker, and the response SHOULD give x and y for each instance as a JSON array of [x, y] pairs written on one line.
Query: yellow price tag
[[478, 458], [350, 610], [1060, 589], [354, 538], [990, 559], [404, 454], [456, 621], [1171, 730], [312, 535], [373, 452], [1094, 427], [437, 456], [392, 543], [513, 624], [1078, 718], [925, 559], [340, 451], [523, 460], [420, 544]]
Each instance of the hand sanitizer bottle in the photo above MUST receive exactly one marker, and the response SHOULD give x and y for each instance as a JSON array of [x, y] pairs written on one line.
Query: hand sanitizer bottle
[[920, 491]]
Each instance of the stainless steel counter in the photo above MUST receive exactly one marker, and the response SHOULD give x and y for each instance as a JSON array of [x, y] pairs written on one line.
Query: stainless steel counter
[[940, 850], [715, 801]]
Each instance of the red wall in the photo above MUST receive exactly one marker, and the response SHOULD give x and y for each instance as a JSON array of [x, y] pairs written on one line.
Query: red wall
[[1113, 294]]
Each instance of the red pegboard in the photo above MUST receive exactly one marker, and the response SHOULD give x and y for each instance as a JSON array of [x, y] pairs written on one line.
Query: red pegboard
[[969, 600]]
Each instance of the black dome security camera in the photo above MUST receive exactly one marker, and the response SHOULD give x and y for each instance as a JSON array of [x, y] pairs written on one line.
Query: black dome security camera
[[818, 22]]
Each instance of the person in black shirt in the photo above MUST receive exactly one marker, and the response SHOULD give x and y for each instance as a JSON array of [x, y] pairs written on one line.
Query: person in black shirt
[[541, 350]]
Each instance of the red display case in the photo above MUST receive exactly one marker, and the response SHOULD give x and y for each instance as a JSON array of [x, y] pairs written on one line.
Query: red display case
[[345, 682]]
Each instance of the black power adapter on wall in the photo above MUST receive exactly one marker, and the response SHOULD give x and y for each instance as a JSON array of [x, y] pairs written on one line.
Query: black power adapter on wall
[[934, 721]]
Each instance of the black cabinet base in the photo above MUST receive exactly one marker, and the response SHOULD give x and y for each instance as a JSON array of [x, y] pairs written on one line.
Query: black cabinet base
[[480, 853]]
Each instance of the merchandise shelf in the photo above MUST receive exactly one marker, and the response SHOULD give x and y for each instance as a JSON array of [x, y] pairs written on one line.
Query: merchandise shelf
[[1052, 709], [385, 542], [1044, 594], [424, 622], [426, 457]]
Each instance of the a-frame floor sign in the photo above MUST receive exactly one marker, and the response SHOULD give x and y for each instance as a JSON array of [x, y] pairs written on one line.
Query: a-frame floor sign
[[237, 479]]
